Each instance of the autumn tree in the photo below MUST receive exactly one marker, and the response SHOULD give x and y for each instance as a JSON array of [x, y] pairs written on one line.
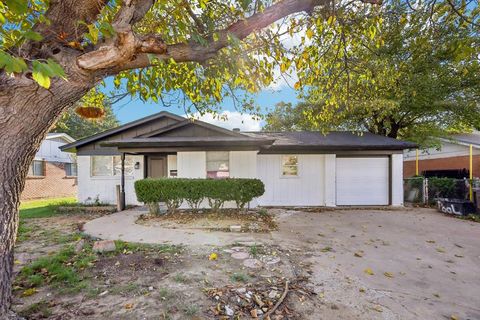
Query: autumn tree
[[421, 81], [53, 52]]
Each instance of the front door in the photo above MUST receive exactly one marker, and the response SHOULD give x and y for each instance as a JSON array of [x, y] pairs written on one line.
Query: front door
[[158, 167]]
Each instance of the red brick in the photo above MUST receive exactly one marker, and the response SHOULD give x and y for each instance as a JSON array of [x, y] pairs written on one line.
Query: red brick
[[452, 163], [53, 185]]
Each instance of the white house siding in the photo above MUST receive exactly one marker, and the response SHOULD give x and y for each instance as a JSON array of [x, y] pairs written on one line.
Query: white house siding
[[243, 164], [49, 151], [330, 180], [89, 188], [306, 189], [397, 179], [192, 164]]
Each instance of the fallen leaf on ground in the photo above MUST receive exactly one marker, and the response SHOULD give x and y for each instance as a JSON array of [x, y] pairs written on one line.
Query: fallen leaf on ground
[[388, 274], [453, 317], [378, 309], [458, 256], [441, 250], [369, 271], [29, 292], [430, 241], [213, 256], [359, 254], [129, 306]]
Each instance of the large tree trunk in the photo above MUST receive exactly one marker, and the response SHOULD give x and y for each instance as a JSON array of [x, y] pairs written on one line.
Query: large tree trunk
[[26, 114]]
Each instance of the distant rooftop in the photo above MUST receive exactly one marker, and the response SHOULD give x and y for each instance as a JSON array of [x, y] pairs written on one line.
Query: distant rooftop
[[334, 140]]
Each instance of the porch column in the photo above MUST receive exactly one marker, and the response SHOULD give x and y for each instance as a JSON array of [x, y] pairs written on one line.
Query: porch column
[[122, 183]]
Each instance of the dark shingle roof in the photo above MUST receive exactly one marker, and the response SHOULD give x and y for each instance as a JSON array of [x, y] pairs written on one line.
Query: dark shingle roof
[[335, 140]]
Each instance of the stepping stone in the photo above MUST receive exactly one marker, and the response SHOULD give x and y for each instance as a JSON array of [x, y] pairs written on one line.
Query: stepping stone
[[104, 246], [240, 255], [252, 263], [273, 260]]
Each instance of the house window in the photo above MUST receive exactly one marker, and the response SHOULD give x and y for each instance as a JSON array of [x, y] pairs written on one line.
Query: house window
[[71, 169], [290, 166], [218, 164], [37, 168], [108, 166]]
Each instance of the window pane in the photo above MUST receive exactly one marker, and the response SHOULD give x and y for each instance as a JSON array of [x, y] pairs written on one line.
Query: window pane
[[290, 165], [30, 170], [129, 165], [38, 168], [71, 169], [102, 166], [218, 164]]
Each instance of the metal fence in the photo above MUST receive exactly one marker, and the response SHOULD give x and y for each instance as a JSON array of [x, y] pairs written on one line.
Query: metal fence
[[421, 190]]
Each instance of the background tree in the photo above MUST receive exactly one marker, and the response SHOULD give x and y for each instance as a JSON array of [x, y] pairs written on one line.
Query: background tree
[[419, 83], [53, 52], [79, 127]]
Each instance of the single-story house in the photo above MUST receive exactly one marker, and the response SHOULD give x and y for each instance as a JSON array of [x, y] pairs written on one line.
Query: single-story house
[[451, 159], [297, 168], [52, 173]]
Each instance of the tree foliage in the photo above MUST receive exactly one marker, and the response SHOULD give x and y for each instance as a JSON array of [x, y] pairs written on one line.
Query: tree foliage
[[78, 127], [414, 76]]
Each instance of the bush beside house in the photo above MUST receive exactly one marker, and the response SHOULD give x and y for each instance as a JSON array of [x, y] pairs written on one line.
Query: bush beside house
[[193, 191]]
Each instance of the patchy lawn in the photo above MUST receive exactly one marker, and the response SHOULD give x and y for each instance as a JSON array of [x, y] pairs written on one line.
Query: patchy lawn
[[43, 208], [57, 278]]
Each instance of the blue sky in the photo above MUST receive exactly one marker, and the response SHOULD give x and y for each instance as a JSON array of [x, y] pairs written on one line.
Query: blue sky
[[127, 110]]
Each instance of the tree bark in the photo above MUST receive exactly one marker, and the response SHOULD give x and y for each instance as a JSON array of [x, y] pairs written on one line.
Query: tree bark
[[27, 112]]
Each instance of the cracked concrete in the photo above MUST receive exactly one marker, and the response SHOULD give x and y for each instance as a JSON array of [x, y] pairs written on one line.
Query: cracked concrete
[[425, 265]]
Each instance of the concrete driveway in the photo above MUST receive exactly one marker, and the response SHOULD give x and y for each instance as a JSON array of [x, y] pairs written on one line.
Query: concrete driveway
[[410, 264]]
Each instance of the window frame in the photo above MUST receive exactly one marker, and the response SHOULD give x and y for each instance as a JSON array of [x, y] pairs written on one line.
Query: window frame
[[33, 171], [283, 165], [71, 164], [128, 172], [216, 171]]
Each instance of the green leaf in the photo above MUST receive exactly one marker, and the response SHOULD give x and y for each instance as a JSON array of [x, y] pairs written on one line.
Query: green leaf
[[17, 6], [32, 35], [41, 79], [56, 69], [11, 64]]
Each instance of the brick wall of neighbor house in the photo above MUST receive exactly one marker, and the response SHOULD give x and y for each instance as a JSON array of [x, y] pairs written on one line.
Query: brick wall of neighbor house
[[451, 163], [53, 185]]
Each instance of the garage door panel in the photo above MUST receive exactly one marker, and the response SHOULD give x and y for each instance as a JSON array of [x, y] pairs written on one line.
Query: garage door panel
[[362, 181]]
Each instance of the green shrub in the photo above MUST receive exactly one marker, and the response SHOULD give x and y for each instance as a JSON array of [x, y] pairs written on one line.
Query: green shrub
[[174, 191], [194, 193]]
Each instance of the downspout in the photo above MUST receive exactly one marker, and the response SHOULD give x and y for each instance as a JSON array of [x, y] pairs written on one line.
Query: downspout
[[122, 183], [471, 173]]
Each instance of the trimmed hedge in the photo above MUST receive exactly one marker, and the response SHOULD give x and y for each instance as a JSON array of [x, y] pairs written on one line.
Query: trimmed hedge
[[216, 191]]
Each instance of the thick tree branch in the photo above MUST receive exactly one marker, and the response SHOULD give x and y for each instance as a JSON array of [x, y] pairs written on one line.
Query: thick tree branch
[[64, 17], [182, 52], [134, 53]]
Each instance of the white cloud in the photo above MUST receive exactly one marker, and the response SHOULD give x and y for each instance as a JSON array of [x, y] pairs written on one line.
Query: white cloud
[[232, 119]]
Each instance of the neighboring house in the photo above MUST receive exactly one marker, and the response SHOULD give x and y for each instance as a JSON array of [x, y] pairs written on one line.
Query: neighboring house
[[297, 168], [452, 159], [52, 173]]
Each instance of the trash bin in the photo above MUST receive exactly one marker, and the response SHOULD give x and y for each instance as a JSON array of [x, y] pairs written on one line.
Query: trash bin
[[458, 207]]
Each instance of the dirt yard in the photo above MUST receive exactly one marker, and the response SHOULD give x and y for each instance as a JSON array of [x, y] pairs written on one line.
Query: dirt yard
[[152, 281], [341, 264]]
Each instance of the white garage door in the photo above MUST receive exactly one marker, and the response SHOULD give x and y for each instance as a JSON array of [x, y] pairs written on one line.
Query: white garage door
[[362, 181]]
